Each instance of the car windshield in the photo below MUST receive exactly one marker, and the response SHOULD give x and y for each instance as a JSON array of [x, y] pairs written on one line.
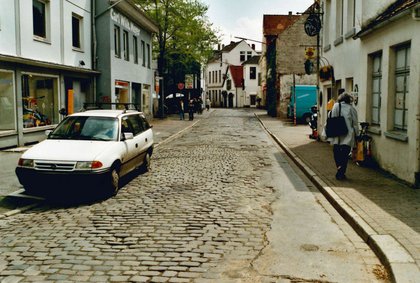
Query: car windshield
[[86, 128]]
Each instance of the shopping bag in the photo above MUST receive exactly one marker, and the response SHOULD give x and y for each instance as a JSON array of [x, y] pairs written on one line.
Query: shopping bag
[[336, 126], [359, 151]]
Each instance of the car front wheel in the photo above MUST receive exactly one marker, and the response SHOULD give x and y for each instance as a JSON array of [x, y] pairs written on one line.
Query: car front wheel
[[146, 163], [114, 181]]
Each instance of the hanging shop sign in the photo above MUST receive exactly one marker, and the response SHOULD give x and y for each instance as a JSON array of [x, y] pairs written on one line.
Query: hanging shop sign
[[326, 73], [312, 25]]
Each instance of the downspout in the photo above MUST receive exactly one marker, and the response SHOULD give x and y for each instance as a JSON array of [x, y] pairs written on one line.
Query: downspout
[[94, 44]]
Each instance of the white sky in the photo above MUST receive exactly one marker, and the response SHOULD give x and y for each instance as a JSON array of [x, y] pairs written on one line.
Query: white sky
[[244, 18]]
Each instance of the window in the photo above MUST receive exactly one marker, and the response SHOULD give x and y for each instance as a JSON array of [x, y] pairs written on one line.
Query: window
[[252, 73], [339, 21], [40, 18], [248, 55], [148, 56], [326, 26], [39, 100], [125, 46], [402, 76], [376, 61], [259, 79], [209, 77], [143, 53], [76, 23], [7, 101], [351, 16], [117, 41], [135, 50], [220, 76], [242, 56]]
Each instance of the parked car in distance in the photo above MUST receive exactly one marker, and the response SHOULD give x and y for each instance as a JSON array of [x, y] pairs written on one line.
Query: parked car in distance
[[91, 149]]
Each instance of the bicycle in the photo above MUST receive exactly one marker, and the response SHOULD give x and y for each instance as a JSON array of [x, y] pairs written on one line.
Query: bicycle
[[362, 154]]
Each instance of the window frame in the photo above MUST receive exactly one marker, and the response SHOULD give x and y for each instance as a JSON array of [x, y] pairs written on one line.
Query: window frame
[[45, 33], [242, 56], [79, 31], [252, 73], [403, 72], [126, 46], [376, 75], [135, 49], [117, 41], [148, 55], [143, 51]]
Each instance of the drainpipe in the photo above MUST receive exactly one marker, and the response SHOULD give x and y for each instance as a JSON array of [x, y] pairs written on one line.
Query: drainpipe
[[94, 44]]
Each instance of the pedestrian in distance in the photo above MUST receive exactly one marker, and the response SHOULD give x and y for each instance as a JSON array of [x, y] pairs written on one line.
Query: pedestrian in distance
[[181, 109], [199, 104], [191, 106], [208, 103], [342, 145]]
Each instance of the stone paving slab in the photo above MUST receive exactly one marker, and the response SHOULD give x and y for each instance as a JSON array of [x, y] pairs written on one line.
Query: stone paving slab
[[384, 210]]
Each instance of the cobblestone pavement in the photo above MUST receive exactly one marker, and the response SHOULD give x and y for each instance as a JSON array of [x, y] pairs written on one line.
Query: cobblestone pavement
[[204, 213]]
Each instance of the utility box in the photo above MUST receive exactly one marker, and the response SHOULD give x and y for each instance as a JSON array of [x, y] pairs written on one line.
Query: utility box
[[305, 97]]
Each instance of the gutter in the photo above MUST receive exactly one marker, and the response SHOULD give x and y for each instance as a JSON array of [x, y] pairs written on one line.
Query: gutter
[[379, 25]]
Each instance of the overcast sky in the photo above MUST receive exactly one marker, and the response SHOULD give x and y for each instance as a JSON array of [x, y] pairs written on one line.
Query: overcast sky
[[243, 18]]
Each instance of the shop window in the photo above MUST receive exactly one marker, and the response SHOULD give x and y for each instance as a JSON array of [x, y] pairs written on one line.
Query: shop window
[[39, 100], [122, 91], [7, 102], [376, 77]]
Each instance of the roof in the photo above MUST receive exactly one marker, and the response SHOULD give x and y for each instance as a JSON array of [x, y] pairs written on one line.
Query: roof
[[230, 46], [276, 24], [237, 75], [253, 60], [398, 8]]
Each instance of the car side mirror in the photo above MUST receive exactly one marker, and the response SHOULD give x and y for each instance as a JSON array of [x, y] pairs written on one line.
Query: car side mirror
[[48, 132], [127, 136]]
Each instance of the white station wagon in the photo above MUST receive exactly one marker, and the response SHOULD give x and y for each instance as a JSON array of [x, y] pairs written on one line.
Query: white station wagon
[[92, 149]]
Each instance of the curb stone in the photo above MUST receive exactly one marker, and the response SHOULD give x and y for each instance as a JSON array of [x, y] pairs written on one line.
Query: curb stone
[[399, 263]]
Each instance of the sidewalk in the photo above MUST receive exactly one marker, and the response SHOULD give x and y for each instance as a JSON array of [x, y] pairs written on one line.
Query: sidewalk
[[383, 211]]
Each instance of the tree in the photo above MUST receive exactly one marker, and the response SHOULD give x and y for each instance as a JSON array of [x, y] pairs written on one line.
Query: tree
[[185, 34]]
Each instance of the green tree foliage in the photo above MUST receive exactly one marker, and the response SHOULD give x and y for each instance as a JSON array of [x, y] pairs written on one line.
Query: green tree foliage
[[185, 34]]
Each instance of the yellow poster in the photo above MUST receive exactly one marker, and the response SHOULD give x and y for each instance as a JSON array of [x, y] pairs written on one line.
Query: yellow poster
[[70, 101]]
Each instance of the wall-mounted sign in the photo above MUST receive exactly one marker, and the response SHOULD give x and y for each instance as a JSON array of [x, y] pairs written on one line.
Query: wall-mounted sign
[[189, 81]]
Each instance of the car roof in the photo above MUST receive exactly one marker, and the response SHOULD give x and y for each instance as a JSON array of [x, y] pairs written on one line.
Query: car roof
[[105, 113]]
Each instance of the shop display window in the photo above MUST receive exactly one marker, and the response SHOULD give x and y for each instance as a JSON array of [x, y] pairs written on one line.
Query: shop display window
[[7, 102], [39, 100]]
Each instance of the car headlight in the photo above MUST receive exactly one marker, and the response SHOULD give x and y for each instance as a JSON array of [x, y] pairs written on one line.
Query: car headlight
[[87, 165], [26, 162]]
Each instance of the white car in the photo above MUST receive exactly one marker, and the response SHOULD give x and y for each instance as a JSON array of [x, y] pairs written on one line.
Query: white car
[[92, 149]]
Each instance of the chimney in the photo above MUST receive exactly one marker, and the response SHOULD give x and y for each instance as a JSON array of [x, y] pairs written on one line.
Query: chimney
[[253, 46], [290, 13]]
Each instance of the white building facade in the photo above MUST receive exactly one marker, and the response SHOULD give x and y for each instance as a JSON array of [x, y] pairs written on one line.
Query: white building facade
[[217, 70], [372, 48], [252, 81], [45, 65]]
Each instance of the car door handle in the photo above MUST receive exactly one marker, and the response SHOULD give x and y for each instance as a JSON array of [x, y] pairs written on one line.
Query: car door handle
[[137, 145], [146, 139]]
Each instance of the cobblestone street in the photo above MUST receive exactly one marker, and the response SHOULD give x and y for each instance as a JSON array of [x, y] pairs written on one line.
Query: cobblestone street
[[204, 213]]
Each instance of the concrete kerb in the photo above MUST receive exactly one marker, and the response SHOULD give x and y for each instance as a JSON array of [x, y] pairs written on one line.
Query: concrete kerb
[[392, 254]]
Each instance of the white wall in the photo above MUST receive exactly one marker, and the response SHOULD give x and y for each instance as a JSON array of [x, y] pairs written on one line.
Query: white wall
[[7, 28], [58, 46]]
